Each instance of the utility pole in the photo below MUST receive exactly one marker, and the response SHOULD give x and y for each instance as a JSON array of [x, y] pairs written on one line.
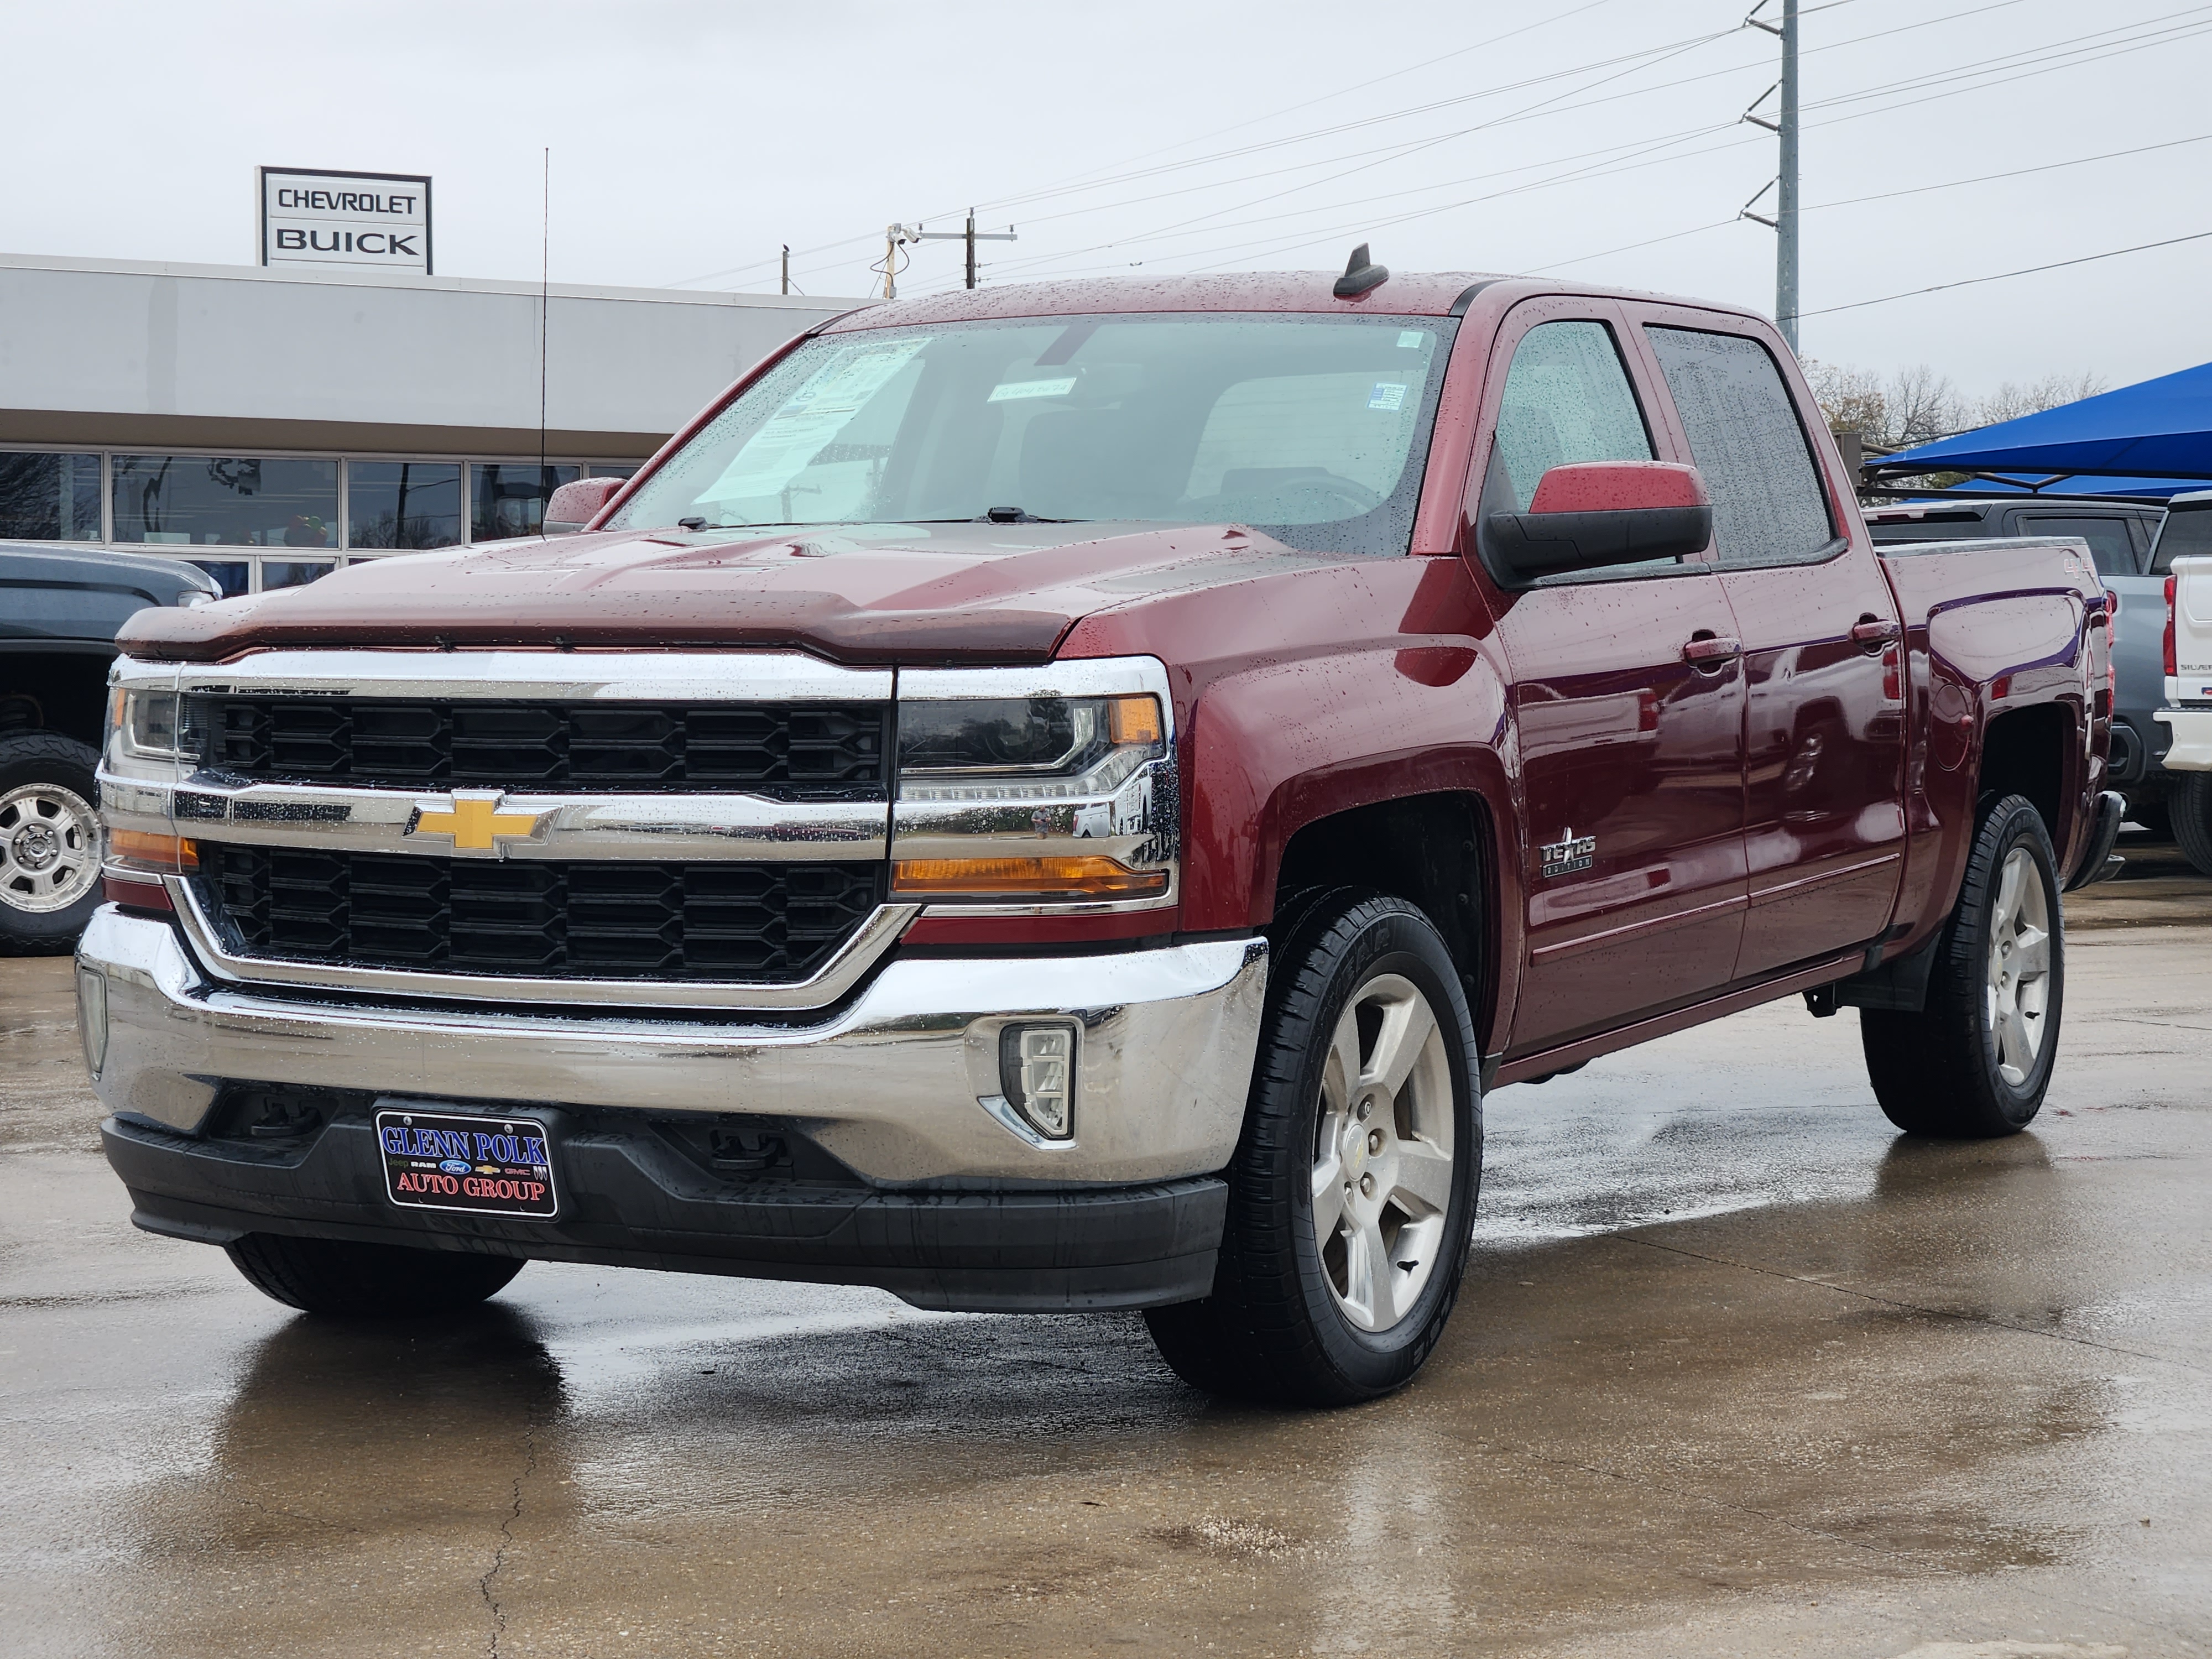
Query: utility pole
[[971, 235], [1785, 213], [1784, 184], [786, 267]]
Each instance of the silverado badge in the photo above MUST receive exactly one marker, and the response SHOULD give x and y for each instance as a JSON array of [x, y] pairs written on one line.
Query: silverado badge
[[472, 819], [1569, 854]]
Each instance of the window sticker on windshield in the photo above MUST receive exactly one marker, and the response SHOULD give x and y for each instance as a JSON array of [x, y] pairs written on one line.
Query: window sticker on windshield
[[1014, 389], [1411, 338], [1388, 394], [810, 418]]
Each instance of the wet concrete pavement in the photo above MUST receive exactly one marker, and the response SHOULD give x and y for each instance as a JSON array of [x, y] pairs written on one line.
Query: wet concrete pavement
[[1737, 1370]]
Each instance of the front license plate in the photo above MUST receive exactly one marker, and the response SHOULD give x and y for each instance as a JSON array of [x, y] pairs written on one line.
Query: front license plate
[[480, 1165]]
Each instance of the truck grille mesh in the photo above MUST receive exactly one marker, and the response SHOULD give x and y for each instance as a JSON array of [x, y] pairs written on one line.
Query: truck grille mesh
[[797, 750], [760, 923]]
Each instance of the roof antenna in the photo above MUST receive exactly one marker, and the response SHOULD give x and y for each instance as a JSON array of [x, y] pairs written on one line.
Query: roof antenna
[[1360, 274], [544, 305]]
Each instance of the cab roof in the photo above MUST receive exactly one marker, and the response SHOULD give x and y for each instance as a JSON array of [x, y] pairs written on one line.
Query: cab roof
[[1418, 294]]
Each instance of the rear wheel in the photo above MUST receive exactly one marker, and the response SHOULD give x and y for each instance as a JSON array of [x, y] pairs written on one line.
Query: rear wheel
[[346, 1280], [2189, 806], [1352, 1192], [1976, 1060], [49, 842]]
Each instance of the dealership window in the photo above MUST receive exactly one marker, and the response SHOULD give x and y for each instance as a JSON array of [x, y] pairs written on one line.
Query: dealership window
[[509, 497], [404, 505], [260, 523], [206, 501], [49, 498]]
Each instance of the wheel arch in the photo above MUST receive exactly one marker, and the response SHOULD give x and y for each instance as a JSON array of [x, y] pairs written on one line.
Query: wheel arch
[[48, 690], [1438, 852]]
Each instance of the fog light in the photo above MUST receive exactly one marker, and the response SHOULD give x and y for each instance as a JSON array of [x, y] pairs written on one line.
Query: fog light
[[1036, 1073], [92, 1017]]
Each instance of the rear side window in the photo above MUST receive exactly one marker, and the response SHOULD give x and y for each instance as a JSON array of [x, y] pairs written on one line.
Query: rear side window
[[2107, 538], [1745, 437], [2187, 532], [1567, 400]]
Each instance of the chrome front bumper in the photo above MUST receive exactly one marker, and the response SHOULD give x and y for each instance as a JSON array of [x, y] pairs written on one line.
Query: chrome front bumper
[[901, 1085]]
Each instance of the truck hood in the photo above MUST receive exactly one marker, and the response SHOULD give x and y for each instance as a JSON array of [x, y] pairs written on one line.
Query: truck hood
[[868, 593]]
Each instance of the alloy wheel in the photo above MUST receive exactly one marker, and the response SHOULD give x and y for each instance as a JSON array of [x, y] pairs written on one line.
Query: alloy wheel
[[2018, 988], [1383, 1153], [49, 847]]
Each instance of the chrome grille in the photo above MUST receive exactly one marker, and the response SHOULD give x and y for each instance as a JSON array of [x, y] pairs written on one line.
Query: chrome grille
[[794, 750], [768, 923]]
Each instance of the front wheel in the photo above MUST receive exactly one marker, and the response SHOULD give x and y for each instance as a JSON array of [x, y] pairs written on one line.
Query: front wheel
[[1352, 1192], [1975, 1062], [49, 842]]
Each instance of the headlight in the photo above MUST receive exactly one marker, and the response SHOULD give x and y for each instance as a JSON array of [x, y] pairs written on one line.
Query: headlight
[[146, 725], [1026, 749], [1037, 787]]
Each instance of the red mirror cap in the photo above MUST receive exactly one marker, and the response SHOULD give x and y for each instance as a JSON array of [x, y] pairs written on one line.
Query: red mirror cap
[[573, 505], [1614, 486]]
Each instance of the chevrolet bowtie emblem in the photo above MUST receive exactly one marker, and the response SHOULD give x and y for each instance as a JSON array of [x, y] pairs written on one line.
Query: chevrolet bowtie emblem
[[475, 822]]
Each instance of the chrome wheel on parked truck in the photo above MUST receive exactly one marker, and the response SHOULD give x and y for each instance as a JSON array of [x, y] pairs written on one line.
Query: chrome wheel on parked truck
[[1352, 1190], [1976, 1060], [49, 842]]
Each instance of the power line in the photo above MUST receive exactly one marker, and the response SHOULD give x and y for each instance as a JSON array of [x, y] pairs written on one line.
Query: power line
[[1397, 151], [1369, 223], [1882, 196], [2004, 275], [1089, 179]]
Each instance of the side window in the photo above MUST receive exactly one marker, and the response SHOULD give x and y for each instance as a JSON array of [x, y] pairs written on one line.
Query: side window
[[1746, 439], [2107, 538], [1567, 399]]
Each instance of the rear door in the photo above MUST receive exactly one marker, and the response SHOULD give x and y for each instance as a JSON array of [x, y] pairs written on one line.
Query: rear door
[[1630, 755], [1824, 710]]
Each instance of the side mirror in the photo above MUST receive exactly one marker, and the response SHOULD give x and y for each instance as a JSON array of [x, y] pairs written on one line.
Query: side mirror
[[573, 505], [1595, 513]]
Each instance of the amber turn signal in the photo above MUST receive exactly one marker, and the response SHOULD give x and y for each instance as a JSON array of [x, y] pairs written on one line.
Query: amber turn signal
[[170, 855], [1134, 719], [1086, 877]]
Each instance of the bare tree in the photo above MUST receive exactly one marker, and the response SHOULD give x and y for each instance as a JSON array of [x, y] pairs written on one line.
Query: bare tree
[[1911, 407], [1853, 399], [2011, 401], [1924, 405]]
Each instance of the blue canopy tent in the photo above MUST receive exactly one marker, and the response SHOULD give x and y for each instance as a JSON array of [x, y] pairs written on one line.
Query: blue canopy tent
[[2154, 439]]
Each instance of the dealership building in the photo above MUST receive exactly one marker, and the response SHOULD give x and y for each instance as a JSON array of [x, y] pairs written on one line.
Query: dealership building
[[271, 424]]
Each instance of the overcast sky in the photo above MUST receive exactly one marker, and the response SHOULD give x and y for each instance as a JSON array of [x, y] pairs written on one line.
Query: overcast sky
[[691, 139]]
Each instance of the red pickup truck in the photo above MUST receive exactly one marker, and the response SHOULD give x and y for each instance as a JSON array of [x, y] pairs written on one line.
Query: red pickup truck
[[1065, 796]]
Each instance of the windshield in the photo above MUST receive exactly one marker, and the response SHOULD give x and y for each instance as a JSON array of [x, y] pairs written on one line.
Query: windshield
[[1313, 429], [2187, 529]]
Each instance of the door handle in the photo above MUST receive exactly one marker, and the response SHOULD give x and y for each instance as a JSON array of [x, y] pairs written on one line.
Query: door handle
[[1712, 651], [1871, 631]]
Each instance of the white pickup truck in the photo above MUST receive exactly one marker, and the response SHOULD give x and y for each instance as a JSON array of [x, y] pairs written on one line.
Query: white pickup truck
[[2184, 551]]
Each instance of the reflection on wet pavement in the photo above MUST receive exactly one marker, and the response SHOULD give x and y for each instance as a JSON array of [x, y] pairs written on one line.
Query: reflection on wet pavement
[[1736, 1370]]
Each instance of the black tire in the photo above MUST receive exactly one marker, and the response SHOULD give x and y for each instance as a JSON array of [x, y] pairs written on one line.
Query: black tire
[[1278, 1326], [345, 1280], [2189, 806], [1944, 1071], [44, 778]]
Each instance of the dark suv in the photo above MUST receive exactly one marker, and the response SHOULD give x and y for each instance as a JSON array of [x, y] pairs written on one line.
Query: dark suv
[[59, 609], [2120, 535]]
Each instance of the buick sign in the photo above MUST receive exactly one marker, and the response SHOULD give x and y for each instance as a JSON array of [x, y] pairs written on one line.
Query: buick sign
[[352, 221]]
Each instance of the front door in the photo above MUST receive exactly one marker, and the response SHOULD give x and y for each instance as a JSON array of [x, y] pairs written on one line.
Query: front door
[[1824, 715], [1627, 706]]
